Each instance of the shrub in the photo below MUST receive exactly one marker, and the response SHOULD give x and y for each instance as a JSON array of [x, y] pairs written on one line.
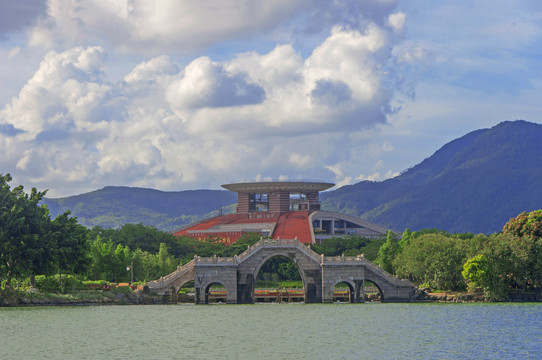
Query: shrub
[[52, 283]]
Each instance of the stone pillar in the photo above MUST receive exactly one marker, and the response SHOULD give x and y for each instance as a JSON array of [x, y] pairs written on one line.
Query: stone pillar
[[245, 289], [313, 286], [359, 291]]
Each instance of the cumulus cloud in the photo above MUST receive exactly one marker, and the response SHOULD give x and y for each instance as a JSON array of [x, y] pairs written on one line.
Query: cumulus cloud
[[66, 88], [150, 26], [331, 93], [171, 126], [207, 84]]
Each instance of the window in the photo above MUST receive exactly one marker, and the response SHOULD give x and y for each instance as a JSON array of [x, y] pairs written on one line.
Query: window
[[259, 202]]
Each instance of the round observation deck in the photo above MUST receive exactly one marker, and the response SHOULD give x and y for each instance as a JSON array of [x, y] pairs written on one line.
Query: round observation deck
[[272, 186]]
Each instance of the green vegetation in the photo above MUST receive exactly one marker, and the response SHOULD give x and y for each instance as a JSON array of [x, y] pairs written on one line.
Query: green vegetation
[[114, 206], [61, 256], [497, 265], [349, 246]]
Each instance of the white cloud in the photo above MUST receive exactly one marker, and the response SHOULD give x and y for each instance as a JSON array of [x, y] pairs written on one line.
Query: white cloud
[[300, 161], [397, 20], [151, 26], [172, 126]]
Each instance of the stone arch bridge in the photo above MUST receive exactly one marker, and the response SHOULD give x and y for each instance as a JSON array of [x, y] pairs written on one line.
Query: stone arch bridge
[[320, 275]]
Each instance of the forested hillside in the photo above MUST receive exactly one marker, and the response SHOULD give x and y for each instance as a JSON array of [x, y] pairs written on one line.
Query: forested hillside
[[473, 184], [114, 206]]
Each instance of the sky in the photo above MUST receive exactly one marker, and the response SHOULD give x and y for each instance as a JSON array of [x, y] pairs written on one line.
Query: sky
[[178, 94]]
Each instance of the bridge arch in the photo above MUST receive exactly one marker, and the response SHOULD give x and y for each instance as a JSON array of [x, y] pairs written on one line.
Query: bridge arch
[[307, 263], [351, 288], [268, 257], [207, 290], [180, 283], [378, 287], [388, 292], [284, 260]]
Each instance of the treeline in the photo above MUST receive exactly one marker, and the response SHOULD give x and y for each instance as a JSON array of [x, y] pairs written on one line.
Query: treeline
[[499, 264], [31, 243], [146, 253]]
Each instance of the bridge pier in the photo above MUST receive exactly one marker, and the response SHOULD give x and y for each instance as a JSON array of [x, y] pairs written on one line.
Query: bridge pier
[[245, 288], [212, 271]]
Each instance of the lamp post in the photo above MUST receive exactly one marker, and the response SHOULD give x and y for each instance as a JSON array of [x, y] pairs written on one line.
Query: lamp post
[[131, 268]]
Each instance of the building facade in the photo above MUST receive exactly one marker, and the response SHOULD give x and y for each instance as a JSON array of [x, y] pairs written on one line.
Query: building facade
[[280, 209]]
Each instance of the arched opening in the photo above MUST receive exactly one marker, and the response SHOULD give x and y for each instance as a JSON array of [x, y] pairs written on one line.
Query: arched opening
[[187, 293], [372, 292], [215, 293], [343, 292], [279, 280]]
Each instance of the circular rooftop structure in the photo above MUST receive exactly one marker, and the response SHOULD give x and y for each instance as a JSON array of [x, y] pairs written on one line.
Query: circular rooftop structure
[[271, 186]]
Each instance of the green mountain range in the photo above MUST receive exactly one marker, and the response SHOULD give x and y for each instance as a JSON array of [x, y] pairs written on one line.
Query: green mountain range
[[472, 184], [114, 206], [475, 183]]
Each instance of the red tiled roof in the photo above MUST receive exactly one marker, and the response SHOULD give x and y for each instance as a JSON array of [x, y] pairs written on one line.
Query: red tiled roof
[[294, 224], [290, 225], [207, 224]]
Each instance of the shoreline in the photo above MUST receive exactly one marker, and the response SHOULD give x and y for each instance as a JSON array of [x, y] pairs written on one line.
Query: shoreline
[[16, 298]]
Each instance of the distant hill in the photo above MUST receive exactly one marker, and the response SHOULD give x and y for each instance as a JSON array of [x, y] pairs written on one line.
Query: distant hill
[[475, 183], [472, 184], [114, 206]]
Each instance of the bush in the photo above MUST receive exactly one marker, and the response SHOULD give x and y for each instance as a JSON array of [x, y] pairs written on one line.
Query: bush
[[52, 283], [121, 290]]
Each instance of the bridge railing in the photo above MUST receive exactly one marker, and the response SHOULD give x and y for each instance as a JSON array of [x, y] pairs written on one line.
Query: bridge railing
[[165, 280], [373, 267], [279, 243], [215, 260]]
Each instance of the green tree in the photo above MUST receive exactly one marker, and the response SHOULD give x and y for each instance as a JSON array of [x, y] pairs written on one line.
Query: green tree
[[433, 258], [102, 255], [23, 231], [476, 272], [387, 252], [166, 262], [405, 239], [71, 252]]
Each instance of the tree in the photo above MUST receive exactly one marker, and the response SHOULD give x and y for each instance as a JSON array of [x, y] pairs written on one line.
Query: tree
[[435, 259], [102, 255], [476, 272], [166, 262], [405, 239], [387, 252], [24, 228], [525, 224], [70, 253]]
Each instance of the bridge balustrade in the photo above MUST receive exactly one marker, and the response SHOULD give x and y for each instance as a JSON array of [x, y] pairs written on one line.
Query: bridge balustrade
[[319, 273]]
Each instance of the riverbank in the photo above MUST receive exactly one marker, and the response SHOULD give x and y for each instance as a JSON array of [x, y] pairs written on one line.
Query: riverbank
[[33, 298], [14, 298]]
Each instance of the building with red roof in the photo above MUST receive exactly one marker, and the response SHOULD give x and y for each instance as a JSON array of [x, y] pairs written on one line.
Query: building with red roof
[[280, 209]]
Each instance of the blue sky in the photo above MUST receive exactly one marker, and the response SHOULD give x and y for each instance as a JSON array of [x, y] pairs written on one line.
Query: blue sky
[[178, 95]]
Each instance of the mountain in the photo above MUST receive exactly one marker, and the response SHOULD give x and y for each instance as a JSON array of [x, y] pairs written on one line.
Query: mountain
[[114, 206], [475, 183], [472, 184]]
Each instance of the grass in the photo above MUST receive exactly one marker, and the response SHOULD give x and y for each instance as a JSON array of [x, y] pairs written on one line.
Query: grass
[[279, 284]]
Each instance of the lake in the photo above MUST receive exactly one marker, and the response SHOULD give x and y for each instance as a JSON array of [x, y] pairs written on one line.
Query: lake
[[274, 331]]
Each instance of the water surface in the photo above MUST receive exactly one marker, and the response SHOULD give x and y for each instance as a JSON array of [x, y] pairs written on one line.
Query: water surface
[[273, 331]]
